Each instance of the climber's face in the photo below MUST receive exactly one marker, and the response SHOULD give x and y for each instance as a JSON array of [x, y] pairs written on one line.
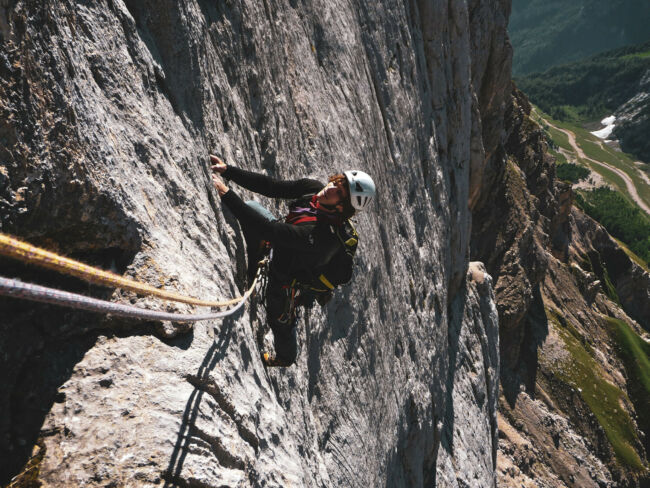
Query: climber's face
[[332, 194]]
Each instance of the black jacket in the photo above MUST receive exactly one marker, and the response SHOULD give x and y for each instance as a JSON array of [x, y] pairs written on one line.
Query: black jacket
[[298, 250]]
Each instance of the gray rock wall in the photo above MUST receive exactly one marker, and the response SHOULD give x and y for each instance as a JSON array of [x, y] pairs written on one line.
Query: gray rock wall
[[108, 112], [633, 120]]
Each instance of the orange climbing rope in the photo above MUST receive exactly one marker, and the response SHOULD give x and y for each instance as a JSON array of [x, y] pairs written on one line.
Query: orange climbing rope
[[22, 251]]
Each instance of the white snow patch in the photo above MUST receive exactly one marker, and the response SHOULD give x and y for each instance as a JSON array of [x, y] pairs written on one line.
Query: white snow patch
[[608, 120], [605, 132]]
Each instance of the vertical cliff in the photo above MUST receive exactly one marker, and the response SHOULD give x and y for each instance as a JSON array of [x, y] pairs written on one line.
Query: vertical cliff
[[108, 110], [573, 325]]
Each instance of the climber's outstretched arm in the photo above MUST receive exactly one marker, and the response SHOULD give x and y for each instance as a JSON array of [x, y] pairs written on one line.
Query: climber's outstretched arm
[[265, 185], [277, 233]]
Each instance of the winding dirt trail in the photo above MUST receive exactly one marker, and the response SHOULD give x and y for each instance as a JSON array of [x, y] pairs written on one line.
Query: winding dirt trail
[[641, 172], [628, 181]]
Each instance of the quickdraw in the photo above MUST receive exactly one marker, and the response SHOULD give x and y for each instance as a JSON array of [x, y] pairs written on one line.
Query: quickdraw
[[289, 313]]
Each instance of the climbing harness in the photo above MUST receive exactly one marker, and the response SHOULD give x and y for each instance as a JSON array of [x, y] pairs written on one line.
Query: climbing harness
[[14, 288], [337, 271]]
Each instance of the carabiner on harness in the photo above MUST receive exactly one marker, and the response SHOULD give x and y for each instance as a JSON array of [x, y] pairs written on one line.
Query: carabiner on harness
[[288, 316]]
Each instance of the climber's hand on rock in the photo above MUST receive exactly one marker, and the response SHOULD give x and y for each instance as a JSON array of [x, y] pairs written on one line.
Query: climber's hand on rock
[[219, 184], [217, 164]]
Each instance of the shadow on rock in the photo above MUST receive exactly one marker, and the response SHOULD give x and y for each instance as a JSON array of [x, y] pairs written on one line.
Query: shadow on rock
[[215, 354], [524, 370]]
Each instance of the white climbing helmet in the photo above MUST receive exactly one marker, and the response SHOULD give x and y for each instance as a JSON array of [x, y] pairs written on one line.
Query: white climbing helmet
[[362, 188]]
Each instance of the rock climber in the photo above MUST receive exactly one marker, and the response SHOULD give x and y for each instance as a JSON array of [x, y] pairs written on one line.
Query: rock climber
[[312, 247]]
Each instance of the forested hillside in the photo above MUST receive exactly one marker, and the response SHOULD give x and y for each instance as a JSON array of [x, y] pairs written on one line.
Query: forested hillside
[[613, 83], [591, 88], [547, 33]]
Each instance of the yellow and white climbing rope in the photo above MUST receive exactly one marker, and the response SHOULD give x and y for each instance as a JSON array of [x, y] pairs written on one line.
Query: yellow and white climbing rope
[[22, 251], [16, 249]]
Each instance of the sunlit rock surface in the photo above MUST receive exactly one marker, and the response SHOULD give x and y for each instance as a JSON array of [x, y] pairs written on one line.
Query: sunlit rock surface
[[108, 111], [571, 412]]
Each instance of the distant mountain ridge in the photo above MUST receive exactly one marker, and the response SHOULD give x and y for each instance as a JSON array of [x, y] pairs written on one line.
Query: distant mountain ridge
[[547, 33]]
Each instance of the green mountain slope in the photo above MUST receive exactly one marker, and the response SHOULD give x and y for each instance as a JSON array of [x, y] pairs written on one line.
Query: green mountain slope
[[582, 157], [547, 33], [589, 89], [616, 82]]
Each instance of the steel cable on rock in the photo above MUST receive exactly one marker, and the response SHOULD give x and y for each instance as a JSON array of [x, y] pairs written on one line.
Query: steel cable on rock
[[22, 251]]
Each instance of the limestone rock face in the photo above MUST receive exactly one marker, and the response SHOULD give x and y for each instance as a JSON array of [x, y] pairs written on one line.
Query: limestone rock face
[[565, 293], [107, 113], [631, 281], [552, 434], [511, 221]]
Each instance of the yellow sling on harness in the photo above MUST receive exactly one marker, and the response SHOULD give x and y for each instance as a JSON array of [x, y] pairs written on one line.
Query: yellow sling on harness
[[326, 282]]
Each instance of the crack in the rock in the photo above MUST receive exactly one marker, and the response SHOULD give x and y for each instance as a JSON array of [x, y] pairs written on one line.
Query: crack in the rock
[[381, 104], [225, 457], [213, 390]]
